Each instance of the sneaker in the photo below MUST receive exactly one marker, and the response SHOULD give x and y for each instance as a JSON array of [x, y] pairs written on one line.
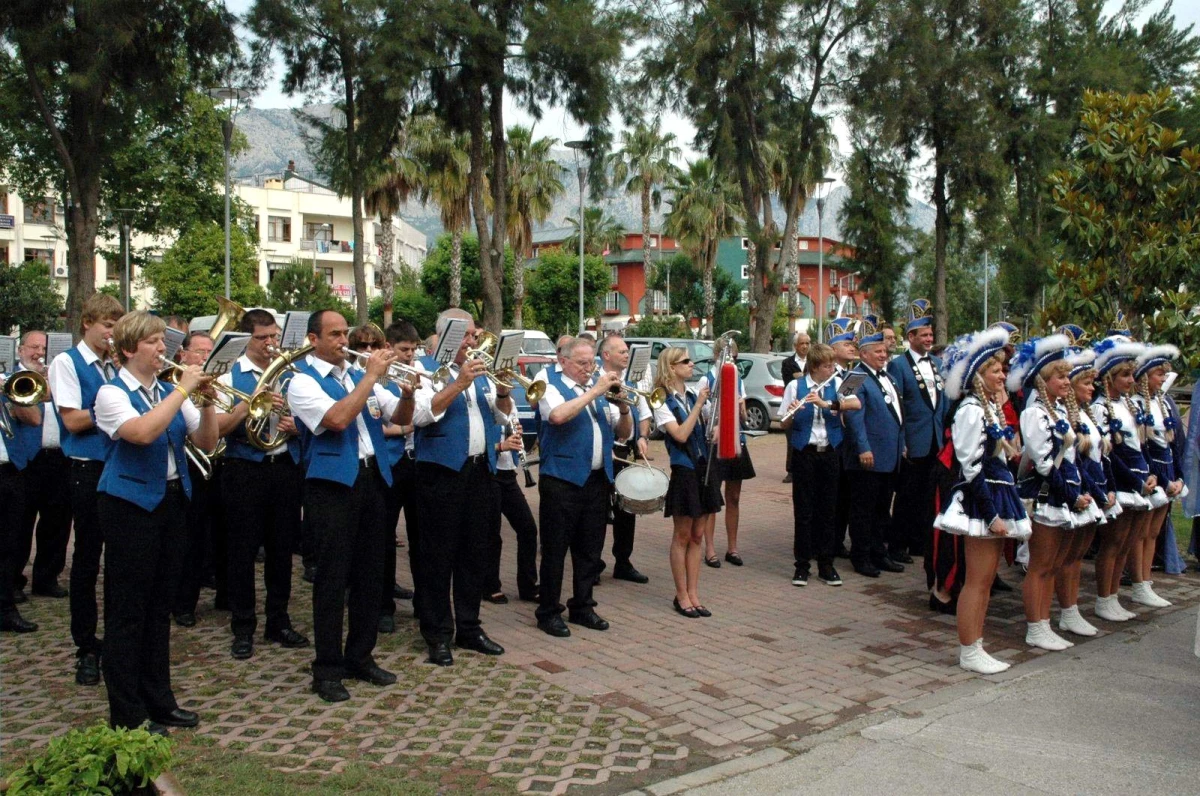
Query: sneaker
[[1037, 636], [1057, 639], [1072, 621], [829, 575], [800, 578], [1108, 609], [1144, 595], [973, 659]]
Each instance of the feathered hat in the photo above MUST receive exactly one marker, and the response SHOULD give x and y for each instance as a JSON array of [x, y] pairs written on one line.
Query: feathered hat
[[920, 313], [839, 330], [1074, 333], [1081, 360], [1113, 350], [868, 334], [964, 356], [1120, 327], [1014, 334], [1152, 357], [1033, 355]]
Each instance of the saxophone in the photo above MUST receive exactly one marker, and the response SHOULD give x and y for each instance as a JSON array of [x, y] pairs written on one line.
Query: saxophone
[[259, 428]]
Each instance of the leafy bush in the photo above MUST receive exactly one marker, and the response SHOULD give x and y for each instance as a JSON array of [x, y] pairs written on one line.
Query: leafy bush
[[658, 326], [96, 760]]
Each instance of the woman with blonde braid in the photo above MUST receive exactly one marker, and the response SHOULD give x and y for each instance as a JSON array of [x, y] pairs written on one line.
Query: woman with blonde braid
[[1049, 482], [1131, 478], [983, 506], [1095, 474], [1159, 432]]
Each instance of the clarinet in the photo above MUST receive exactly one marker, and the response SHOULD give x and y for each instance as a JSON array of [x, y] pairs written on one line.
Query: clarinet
[[509, 430]]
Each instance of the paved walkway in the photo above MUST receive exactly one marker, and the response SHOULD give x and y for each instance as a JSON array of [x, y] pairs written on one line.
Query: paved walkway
[[654, 696]]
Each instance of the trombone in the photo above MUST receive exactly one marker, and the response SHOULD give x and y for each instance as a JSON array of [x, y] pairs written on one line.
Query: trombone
[[260, 404], [508, 378], [398, 371]]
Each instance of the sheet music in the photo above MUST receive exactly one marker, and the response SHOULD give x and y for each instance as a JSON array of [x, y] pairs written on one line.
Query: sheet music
[[1169, 379], [450, 341], [57, 343], [853, 380], [173, 341], [227, 349], [639, 360], [295, 330], [8, 354], [507, 351]]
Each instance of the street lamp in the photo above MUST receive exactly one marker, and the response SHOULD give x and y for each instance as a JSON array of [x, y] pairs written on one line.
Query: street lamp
[[821, 184], [230, 97], [126, 283], [580, 148]]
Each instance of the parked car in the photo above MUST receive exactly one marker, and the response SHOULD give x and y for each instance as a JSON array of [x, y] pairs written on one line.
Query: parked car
[[697, 349], [762, 375], [536, 342], [530, 366]]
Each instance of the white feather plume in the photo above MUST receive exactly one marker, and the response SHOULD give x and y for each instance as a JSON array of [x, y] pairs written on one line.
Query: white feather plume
[[964, 358], [1029, 354]]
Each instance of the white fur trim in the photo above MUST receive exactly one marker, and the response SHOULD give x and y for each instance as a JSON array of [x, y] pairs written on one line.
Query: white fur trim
[[1042, 347]]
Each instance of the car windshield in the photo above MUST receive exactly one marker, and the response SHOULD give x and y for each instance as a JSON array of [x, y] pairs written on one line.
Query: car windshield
[[533, 368], [538, 345]]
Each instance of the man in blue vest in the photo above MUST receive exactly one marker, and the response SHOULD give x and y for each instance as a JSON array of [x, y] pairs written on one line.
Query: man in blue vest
[[75, 377], [918, 378], [47, 486], [457, 435], [340, 414], [578, 427], [261, 492], [872, 458], [614, 358]]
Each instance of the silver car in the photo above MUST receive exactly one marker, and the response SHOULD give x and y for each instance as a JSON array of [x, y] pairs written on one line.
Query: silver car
[[762, 375]]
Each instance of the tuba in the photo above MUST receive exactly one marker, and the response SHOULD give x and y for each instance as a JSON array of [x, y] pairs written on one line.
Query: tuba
[[259, 431], [229, 315]]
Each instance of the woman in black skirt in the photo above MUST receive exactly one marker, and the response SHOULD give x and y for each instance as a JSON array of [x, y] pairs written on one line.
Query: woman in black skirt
[[730, 472], [689, 501]]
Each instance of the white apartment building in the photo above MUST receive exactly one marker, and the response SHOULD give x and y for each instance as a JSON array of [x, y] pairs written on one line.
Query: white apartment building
[[296, 219]]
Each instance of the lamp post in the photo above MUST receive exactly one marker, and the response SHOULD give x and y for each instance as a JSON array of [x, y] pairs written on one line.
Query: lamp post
[[125, 229], [822, 183], [230, 97], [985, 289], [580, 147]]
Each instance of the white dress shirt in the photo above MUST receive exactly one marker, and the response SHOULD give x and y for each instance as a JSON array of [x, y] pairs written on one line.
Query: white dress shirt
[[246, 364], [64, 381], [925, 365], [309, 402], [889, 389], [50, 440], [423, 414], [552, 399], [114, 409]]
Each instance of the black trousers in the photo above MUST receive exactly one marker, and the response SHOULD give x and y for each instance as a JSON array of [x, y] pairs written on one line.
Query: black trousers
[[47, 518], [870, 514], [841, 511], [143, 556], [402, 496], [12, 510], [262, 507], [571, 518], [515, 509], [623, 525], [458, 511], [196, 553], [815, 476], [347, 525], [912, 523], [85, 562]]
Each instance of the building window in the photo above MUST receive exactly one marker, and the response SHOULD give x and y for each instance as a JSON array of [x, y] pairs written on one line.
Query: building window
[[3, 255], [3, 202], [833, 278], [279, 229], [851, 306], [745, 271], [613, 269], [314, 230], [39, 211], [660, 301], [44, 255], [745, 243], [113, 268], [831, 306], [612, 301], [802, 245], [866, 307], [327, 273]]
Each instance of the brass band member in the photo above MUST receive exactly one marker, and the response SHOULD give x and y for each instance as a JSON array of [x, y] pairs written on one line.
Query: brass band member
[[614, 358]]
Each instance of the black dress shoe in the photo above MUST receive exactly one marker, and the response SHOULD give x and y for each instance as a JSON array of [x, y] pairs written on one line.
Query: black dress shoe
[[154, 728], [178, 718], [287, 637], [531, 597], [50, 590], [901, 558], [554, 626], [13, 622], [481, 644], [330, 690], [734, 558], [87, 669], [19, 596], [999, 585], [787, 479], [242, 648], [868, 570], [689, 612], [387, 624], [401, 593], [704, 612], [499, 598], [713, 562], [937, 606], [439, 654], [827, 574], [629, 572], [375, 675], [185, 620], [590, 620], [888, 565]]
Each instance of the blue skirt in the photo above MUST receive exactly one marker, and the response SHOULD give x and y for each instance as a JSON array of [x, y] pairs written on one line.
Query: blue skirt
[[963, 514]]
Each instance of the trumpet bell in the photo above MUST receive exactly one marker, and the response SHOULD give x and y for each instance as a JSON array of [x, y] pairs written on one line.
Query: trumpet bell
[[657, 397], [535, 391], [26, 388], [229, 315]]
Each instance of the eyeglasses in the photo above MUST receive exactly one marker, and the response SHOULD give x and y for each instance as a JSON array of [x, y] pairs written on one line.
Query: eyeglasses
[[367, 346]]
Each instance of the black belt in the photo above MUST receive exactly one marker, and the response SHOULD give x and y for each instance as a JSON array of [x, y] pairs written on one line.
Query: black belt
[[89, 463], [175, 485], [366, 463], [274, 457], [818, 448], [8, 468], [477, 459]]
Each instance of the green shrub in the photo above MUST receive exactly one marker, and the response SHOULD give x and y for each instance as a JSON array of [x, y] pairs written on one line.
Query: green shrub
[[96, 760]]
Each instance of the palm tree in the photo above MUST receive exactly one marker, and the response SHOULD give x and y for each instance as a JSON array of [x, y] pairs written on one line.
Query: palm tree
[[388, 187], [444, 161], [704, 210], [644, 163], [601, 233], [533, 185]]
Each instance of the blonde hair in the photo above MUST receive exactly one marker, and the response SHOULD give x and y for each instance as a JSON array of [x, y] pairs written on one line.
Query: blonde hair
[[1143, 385], [818, 354], [132, 329], [990, 415], [668, 358], [1075, 410]]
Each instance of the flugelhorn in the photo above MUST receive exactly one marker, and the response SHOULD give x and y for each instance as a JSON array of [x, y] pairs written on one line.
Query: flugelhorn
[[485, 348], [629, 396], [259, 404], [398, 371], [23, 388]]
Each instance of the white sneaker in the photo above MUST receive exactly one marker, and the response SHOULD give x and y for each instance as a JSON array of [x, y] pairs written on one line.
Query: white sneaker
[[1072, 621], [1150, 585], [1038, 635], [973, 659], [1117, 602], [1108, 609], [1144, 595], [1054, 636]]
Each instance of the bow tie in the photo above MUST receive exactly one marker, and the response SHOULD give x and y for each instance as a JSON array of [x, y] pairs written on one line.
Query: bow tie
[[923, 359]]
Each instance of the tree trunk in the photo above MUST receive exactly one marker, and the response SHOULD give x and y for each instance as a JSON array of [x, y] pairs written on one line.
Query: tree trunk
[[767, 302], [456, 268], [646, 267], [492, 266], [519, 291], [941, 313], [387, 262], [751, 279], [708, 252], [83, 223], [354, 168]]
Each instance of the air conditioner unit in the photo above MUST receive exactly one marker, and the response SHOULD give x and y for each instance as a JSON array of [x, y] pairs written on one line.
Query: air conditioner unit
[[61, 271]]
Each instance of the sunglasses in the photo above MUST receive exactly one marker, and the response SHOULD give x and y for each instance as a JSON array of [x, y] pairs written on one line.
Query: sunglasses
[[684, 362]]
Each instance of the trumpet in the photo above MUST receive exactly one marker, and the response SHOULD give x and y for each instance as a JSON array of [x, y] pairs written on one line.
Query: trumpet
[[629, 396], [398, 372], [260, 405], [23, 388], [534, 390], [506, 378]]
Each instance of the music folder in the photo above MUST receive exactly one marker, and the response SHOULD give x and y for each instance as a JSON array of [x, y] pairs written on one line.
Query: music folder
[[507, 351], [295, 330], [639, 361], [852, 382], [57, 343], [226, 350], [8, 354], [450, 340], [172, 341]]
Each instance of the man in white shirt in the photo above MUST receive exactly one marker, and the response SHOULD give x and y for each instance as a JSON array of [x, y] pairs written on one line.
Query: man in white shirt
[[614, 358]]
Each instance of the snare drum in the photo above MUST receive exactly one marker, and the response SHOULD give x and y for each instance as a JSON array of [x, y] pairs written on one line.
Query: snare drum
[[641, 490]]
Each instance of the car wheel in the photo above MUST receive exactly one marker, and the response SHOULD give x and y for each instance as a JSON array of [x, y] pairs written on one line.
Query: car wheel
[[757, 418]]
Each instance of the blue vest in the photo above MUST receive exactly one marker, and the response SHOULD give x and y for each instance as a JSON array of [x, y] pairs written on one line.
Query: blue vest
[[91, 444], [25, 442], [395, 445], [696, 443], [567, 447], [237, 446], [333, 455], [445, 442], [802, 421], [138, 473]]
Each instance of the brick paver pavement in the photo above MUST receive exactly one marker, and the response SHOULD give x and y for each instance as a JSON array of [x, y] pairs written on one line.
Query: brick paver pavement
[[655, 694]]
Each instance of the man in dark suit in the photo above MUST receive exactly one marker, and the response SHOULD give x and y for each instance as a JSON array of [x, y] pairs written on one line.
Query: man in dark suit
[[918, 378], [872, 458]]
